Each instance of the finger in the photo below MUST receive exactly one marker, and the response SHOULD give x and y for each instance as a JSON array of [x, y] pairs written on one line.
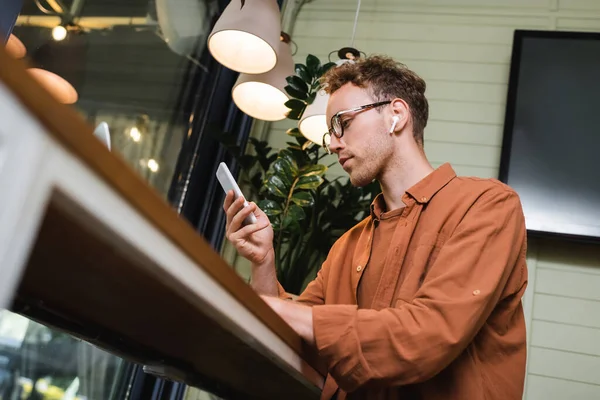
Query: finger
[[258, 212], [235, 206], [226, 204], [249, 230], [232, 211], [228, 200], [237, 221]]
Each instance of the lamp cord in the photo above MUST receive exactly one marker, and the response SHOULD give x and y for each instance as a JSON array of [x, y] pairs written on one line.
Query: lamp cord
[[355, 24]]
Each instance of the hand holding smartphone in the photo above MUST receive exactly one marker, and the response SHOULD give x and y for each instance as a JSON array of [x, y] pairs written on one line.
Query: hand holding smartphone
[[228, 183]]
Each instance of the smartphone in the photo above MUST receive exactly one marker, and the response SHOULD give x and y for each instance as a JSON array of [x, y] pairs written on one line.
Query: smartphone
[[228, 183]]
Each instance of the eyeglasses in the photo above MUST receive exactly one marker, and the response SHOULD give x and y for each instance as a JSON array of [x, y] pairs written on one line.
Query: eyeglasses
[[337, 124]]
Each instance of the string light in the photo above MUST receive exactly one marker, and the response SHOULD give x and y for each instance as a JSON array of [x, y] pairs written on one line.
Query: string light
[[59, 33], [152, 165], [135, 134]]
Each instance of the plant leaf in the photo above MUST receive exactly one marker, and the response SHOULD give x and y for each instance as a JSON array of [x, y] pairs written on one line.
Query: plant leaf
[[293, 146], [287, 221], [325, 68], [270, 207], [276, 186], [313, 64], [283, 168], [295, 114], [296, 212], [295, 93], [301, 141], [256, 180], [247, 161], [297, 83], [303, 72], [303, 199], [295, 104], [287, 154], [318, 169], [309, 182], [307, 144], [295, 132]]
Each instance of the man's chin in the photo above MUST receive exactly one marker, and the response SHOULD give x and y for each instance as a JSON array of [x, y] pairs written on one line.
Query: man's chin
[[359, 181]]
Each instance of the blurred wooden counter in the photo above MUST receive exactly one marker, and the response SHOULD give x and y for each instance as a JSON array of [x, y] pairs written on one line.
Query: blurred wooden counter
[[87, 247]]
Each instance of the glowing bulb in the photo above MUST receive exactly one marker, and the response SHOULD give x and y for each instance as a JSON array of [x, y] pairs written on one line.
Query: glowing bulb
[[152, 165], [59, 33], [135, 134]]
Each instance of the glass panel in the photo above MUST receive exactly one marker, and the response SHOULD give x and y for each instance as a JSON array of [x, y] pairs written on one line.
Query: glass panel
[[133, 65], [39, 363]]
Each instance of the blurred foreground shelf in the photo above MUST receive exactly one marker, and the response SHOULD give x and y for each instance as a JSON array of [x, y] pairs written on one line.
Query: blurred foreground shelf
[[87, 247]]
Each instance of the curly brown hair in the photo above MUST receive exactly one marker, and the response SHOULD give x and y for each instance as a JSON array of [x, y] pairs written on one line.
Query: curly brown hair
[[386, 79]]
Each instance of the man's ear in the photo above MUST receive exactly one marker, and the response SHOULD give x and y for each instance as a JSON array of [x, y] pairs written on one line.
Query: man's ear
[[401, 114]]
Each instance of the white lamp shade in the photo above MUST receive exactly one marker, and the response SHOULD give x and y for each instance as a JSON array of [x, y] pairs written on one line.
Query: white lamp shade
[[313, 124], [263, 96], [246, 36]]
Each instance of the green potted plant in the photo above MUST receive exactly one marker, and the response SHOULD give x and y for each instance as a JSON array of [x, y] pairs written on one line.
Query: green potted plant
[[308, 210]]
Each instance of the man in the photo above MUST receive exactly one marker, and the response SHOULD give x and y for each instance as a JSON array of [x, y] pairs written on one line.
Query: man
[[422, 299]]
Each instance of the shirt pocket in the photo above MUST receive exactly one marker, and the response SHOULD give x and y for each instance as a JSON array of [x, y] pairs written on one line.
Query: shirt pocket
[[421, 256]]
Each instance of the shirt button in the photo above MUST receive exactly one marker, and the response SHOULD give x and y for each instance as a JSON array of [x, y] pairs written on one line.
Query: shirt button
[[359, 268], [423, 199]]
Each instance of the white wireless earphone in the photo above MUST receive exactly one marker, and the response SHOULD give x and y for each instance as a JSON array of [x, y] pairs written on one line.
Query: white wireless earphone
[[395, 119]]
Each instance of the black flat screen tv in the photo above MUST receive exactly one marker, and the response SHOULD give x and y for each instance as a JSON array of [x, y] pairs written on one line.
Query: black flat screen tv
[[551, 143]]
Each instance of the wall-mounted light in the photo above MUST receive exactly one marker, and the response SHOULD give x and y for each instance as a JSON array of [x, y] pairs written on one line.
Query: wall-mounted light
[[263, 96], [246, 36]]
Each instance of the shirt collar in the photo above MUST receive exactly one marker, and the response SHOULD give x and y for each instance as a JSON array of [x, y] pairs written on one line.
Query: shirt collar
[[427, 187], [422, 191], [377, 206]]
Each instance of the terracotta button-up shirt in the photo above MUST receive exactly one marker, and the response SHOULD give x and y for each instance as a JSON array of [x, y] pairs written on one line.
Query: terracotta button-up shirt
[[445, 320]]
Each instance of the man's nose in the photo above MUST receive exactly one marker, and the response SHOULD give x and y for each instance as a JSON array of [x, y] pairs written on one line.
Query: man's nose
[[335, 144]]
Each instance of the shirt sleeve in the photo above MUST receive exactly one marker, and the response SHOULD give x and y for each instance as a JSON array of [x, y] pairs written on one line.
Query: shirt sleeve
[[413, 342]]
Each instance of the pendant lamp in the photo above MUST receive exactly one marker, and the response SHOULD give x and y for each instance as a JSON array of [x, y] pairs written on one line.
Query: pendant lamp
[[263, 96], [246, 36], [313, 124]]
